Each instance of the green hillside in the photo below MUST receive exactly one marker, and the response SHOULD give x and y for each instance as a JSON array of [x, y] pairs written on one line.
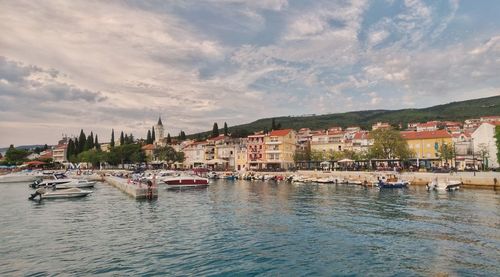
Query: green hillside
[[454, 111]]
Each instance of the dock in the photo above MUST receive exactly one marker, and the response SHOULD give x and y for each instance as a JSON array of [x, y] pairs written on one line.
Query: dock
[[134, 189]]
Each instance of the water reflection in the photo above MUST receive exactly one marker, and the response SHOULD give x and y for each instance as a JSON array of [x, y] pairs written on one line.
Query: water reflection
[[241, 227]]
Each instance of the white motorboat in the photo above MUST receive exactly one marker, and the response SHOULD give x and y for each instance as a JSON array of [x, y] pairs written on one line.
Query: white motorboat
[[185, 181], [45, 193], [61, 181], [20, 177], [444, 185]]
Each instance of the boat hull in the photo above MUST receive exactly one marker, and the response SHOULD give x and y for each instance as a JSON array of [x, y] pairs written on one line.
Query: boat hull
[[186, 182], [395, 185]]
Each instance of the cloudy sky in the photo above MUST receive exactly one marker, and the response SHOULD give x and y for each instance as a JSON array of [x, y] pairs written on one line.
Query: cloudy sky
[[97, 65]]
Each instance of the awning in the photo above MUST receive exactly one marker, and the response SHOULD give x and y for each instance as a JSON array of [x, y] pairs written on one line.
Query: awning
[[346, 161], [216, 161]]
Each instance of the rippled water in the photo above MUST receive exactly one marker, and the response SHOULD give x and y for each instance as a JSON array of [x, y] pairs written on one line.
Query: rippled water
[[252, 228]]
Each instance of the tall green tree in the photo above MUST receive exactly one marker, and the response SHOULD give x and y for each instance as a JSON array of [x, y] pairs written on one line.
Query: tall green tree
[[76, 147], [148, 138], [125, 139], [112, 142], [82, 140], [388, 144], [182, 136], [168, 154], [122, 139], [215, 130], [96, 143], [226, 131], [153, 135], [446, 152], [169, 139], [71, 148], [15, 156], [273, 125]]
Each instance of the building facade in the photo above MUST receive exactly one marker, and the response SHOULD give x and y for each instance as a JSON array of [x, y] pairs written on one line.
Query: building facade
[[280, 146]]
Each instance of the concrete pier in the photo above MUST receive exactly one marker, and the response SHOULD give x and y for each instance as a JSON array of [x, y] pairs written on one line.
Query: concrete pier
[[483, 180], [136, 190]]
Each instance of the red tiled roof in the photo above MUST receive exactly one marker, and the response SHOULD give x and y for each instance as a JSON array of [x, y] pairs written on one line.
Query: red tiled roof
[[218, 138], [425, 134], [280, 133], [360, 135], [148, 147], [427, 124]]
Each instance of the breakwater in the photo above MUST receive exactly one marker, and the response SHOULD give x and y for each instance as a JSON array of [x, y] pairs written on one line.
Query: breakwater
[[134, 189], [485, 180]]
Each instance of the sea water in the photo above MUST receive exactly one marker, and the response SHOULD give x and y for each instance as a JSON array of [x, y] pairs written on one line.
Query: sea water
[[240, 228]]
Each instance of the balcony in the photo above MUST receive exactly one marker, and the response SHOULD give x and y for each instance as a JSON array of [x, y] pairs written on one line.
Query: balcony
[[273, 142]]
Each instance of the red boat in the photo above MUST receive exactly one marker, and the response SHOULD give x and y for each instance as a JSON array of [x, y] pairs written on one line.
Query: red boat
[[181, 182]]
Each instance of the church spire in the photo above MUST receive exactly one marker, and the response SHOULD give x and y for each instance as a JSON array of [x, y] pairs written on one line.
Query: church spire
[[159, 121]]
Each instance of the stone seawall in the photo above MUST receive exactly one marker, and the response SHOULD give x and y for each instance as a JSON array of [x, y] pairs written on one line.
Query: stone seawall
[[133, 189], [487, 180]]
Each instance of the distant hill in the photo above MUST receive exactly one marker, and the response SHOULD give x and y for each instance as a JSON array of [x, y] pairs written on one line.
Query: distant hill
[[24, 147], [454, 111]]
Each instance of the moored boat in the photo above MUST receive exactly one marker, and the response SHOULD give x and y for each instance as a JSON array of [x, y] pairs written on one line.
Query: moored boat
[[61, 181], [444, 186], [45, 193], [392, 183], [186, 181]]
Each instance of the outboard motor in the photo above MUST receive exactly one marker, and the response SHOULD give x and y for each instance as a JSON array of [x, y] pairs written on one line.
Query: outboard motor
[[36, 183]]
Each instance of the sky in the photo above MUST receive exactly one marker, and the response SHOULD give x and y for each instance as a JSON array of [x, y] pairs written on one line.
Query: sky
[[98, 65]]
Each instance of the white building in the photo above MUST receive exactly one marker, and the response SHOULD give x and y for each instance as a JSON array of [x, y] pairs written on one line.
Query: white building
[[484, 143], [159, 132], [59, 153]]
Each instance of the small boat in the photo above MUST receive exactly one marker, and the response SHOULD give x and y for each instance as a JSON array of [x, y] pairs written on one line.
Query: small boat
[[354, 182], [45, 193], [212, 175], [61, 181], [392, 183], [186, 181], [444, 186]]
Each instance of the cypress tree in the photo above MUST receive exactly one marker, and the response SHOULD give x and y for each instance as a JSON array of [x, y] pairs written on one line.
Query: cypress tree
[[82, 140], [112, 142], [122, 138], [153, 135], [96, 143], [169, 140], [75, 147], [148, 137], [215, 130], [226, 131], [131, 139], [70, 149], [125, 139], [91, 143], [273, 125], [183, 135]]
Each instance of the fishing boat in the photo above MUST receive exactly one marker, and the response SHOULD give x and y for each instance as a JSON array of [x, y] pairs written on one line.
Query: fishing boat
[[186, 181], [61, 181], [45, 193], [444, 186], [392, 182]]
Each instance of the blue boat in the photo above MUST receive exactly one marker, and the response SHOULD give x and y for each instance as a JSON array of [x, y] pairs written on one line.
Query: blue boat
[[392, 183]]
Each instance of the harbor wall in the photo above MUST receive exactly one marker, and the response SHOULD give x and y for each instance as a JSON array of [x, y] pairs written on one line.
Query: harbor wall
[[487, 180], [136, 190]]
